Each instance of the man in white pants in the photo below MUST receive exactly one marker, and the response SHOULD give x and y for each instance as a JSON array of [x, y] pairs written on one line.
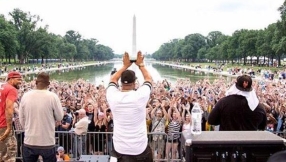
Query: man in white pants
[[129, 113]]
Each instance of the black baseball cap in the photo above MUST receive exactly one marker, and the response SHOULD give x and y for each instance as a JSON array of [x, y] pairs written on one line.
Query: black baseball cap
[[128, 76]]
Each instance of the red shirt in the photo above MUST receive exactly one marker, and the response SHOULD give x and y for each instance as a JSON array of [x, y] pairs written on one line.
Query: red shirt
[[7, 91]]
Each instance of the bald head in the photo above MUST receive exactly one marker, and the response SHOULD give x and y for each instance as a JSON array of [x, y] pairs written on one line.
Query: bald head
[[43, 80], [81, 113]]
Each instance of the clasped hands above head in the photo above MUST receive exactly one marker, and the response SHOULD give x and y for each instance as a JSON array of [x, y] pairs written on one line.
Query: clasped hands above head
[[128, 62]]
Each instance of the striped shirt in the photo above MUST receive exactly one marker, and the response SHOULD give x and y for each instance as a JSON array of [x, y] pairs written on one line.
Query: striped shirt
[[173, 130]]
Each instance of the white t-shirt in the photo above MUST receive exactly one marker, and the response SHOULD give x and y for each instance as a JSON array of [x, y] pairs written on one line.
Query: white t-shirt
[[129, 118], [38, 111], [187, 126], [81, 126]]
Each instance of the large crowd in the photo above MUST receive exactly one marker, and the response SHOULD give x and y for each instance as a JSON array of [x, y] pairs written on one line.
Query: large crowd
[[168, 110]]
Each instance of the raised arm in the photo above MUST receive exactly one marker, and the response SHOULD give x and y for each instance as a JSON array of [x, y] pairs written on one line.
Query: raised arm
[[105, 120], [184, 112], [139, 62], [165, 112], [177, 112], [95, 111], [169, 115], [126, 64], [153, 112]]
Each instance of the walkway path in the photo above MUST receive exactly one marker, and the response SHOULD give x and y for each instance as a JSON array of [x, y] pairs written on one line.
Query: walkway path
[[61, 68], [223, 73]]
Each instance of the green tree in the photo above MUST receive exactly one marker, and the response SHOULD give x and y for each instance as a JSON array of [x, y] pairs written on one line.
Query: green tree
[[91, 45], [214, 38], [193, 43], [202, 53], [25, 24], [8, 42], [2, 51], [248, 44], [178, 45]]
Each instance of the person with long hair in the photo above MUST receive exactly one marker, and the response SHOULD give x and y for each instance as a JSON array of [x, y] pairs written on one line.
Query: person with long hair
[[173, 131]]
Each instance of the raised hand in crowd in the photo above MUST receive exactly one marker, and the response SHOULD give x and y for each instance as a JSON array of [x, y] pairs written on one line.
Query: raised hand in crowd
[[158, 104], [164, 104]]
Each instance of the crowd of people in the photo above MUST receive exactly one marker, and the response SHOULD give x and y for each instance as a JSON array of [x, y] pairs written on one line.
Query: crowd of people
[[168, 113], [168, 110]]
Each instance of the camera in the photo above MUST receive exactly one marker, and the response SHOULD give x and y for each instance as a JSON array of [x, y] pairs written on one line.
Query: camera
[[75, 113], [113, 71]]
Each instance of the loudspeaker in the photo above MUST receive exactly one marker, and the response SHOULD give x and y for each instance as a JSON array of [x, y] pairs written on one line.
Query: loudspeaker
[[232, 146]]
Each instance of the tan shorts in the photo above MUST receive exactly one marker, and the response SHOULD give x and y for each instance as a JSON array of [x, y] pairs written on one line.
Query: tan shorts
[[8, 147]]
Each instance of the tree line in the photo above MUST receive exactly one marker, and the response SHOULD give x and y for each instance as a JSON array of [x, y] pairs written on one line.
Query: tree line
[[216, 46], [21, 39]]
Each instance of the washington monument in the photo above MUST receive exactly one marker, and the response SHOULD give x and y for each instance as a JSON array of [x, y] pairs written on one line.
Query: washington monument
[[134, 51]]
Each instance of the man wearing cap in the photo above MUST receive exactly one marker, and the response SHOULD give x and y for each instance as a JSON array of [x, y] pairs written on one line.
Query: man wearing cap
[[66, 122], [240, 109], [8, 96], [129, 113], [40, 109]]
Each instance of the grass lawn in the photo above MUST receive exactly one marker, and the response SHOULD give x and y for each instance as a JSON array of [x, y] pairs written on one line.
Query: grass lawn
[[54, 64], [229, 65]]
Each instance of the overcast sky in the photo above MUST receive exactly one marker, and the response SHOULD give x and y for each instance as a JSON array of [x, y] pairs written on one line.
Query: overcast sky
[[158, 21]]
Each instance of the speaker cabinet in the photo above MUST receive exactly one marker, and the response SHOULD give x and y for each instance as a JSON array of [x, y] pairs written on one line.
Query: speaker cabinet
[[232, 146]]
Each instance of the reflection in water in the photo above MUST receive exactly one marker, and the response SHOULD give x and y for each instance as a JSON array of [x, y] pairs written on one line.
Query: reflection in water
[[101, 74], [171, 73]]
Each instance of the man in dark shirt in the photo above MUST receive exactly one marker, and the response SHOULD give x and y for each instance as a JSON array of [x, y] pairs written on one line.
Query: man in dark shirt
[[109, 129], [240, 109], [64, 125], [66, 121]]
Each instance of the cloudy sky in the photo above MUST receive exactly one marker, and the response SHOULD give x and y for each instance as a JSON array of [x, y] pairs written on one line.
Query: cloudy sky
[[158, 21]]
